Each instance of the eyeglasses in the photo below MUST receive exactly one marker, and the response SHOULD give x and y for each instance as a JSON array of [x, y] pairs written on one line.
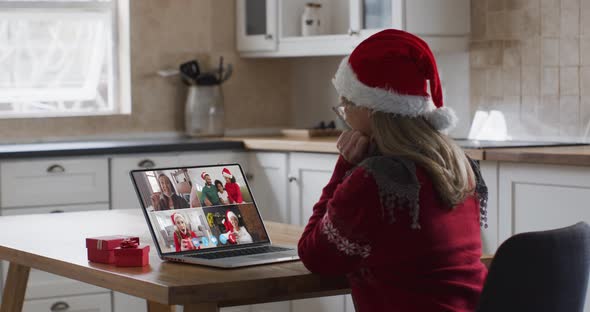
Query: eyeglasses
[[340, 111]]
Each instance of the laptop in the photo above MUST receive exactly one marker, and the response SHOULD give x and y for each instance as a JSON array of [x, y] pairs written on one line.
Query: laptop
[[206, 215]]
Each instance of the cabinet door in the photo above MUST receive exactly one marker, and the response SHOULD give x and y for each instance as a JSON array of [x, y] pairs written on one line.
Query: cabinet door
[[370, 16], [89, 303], [269, 185], [126, 303], [207, 158], [542, 197], [123, 194], [309, 173], [42, 284], [54, 182], [256, 28]]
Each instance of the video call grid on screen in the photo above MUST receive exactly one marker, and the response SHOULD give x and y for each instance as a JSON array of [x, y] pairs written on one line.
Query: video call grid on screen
[[196, 208]]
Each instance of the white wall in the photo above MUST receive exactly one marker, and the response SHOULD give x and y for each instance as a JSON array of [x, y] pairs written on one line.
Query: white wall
[[313, 94]]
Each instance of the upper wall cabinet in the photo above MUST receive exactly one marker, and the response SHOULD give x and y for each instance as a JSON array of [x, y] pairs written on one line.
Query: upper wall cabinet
[[257, 25], [273, 28]]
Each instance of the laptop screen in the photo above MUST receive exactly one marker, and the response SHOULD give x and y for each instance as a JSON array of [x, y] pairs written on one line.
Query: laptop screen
[[196, 208]]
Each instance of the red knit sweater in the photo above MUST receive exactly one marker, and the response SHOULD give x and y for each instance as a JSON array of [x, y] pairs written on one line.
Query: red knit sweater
[[390, 266]]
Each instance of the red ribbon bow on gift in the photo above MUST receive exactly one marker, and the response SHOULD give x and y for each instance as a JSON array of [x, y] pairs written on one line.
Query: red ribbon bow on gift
[[129, 243]]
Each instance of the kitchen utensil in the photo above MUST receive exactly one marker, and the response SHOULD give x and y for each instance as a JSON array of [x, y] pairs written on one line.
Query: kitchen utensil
[[191, 70], [220, 69], [228, 72], [207, 79]]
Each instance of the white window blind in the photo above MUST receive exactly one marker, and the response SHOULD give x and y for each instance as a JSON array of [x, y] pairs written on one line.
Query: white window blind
[[64, 58]]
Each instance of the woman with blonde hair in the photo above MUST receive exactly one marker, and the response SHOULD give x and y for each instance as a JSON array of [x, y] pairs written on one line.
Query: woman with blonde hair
[[401, 214]]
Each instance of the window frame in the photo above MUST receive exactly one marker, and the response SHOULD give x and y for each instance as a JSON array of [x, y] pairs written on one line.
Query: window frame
[[120, 54]]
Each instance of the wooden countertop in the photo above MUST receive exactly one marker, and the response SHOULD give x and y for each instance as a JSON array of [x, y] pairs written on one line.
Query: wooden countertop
[[313, 145], [564, 155]]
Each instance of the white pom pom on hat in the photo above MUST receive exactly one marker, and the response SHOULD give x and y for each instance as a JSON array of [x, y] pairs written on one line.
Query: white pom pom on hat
[[442, 118], [391, 72]]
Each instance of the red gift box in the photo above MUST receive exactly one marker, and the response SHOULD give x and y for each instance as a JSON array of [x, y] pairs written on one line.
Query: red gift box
[[132, 256], [102, 249]]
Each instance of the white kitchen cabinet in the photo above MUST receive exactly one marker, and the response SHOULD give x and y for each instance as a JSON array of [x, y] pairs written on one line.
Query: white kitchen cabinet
[[28, 183], [87, 303], [489, 235], [269, 185], [126, 303], [213, 158], [42, 284], [443, 24], [542, 197], [309, 173], [123, 194], [256, 22]]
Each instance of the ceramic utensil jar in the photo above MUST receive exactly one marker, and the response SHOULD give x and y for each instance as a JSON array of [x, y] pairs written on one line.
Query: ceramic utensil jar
[[204, 115], [204, 111]]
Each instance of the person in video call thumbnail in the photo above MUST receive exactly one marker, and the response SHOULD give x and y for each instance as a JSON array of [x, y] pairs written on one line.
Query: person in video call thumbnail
[[236, 234], [167, 198], [182, 235], [221, 192], [232, 188], [209, 196]]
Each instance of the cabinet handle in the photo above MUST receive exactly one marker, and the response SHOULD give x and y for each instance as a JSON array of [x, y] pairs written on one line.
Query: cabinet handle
[[268, 36], [56, 169], [249, 176], [146, 163], [292, 179], [56, 211], [353, 32], [60, 306]]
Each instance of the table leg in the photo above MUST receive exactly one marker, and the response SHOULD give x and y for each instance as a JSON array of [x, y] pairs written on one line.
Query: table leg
[[203, 307], [15, 288], [158, 307]]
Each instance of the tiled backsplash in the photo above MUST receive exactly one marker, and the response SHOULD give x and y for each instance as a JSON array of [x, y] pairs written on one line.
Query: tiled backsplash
[[531, 60], [163, 34]]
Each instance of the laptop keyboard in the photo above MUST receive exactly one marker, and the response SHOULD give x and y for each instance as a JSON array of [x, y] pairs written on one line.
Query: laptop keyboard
[[239, 252]]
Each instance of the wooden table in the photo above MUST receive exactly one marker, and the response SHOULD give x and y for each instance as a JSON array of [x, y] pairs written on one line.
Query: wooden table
[[58, 247]]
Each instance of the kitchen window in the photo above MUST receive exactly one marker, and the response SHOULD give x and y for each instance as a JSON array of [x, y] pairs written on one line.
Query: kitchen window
[[64, 58]]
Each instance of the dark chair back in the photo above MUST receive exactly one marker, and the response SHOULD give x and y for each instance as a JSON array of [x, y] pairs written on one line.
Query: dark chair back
[[540, 271]]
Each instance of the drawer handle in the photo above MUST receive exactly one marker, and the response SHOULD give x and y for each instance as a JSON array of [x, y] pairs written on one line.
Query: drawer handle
[[146, 163], [292, 179], [56, 169], [56, 211], [60, 306]]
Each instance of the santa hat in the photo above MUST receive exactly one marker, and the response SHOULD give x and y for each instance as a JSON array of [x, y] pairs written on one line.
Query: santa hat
[[390, 72], [203, 174], [175, 216], [227, 222], [225, 172]]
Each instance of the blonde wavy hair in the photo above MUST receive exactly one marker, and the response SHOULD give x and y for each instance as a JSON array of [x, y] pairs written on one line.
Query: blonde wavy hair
[[414, 139]]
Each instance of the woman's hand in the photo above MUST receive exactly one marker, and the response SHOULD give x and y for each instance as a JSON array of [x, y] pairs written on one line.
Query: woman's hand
[[155, 200], [353, 146]]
